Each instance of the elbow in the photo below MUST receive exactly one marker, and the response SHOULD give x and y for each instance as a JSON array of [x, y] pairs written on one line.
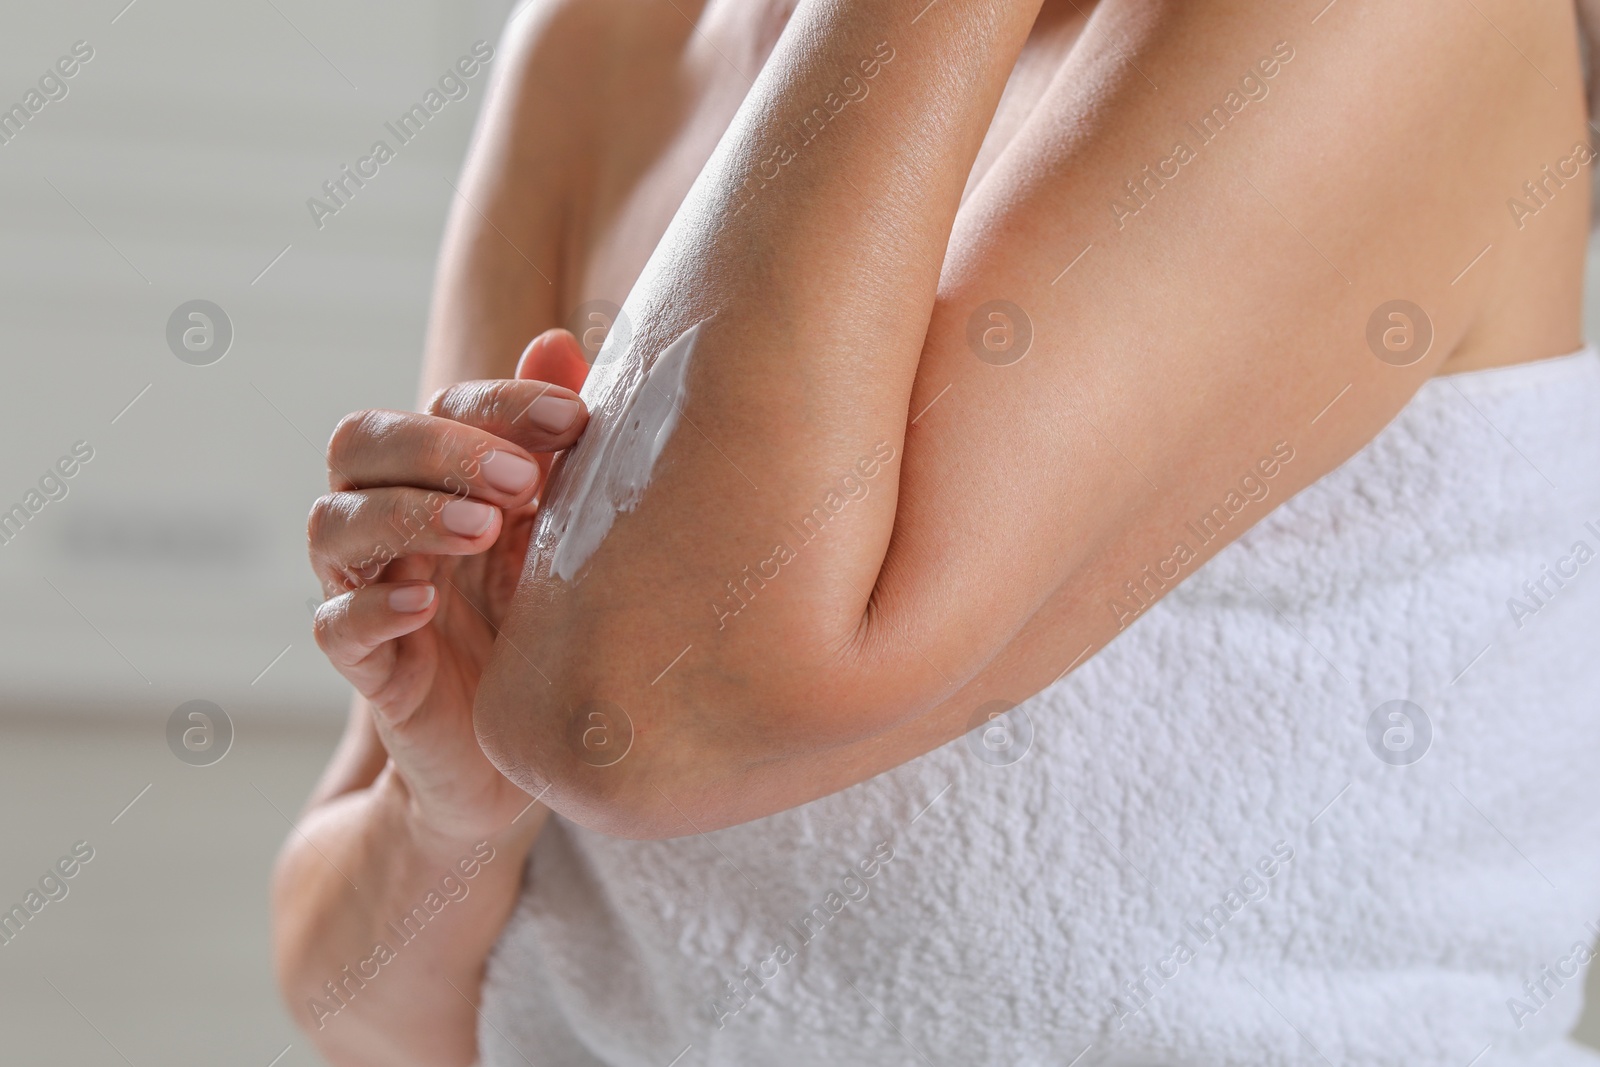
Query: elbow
[[657, 760], [582, 760]]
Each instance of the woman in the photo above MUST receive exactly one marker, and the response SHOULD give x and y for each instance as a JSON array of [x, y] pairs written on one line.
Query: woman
[[959, 340]]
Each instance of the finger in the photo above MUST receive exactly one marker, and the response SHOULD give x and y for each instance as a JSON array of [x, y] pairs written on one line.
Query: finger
[[352, 536], [554, 356], [538, 415], [355, 630], [557, 357], [374, 449]]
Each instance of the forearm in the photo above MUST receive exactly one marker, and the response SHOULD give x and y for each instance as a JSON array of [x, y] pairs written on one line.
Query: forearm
[[382, 927], [812, 267]]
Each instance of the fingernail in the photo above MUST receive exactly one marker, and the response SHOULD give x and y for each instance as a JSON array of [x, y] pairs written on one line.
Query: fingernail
[[552, 413], [466, 517], [508, 473], [410, 599]]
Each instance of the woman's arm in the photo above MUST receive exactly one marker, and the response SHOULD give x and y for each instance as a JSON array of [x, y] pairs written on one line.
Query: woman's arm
[[786, 611], [384, 923], [408, 859]]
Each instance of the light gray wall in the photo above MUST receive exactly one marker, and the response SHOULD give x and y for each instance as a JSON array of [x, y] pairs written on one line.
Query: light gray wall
[[178, 167]]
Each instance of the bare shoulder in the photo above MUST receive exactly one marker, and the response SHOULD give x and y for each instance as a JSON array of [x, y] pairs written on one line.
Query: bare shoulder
[[619, 104], [580, 51], [545, 135], [1393, 142], [1457, 127], [553, 53]]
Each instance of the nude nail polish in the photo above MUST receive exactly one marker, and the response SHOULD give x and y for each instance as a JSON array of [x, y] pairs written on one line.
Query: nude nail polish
[[468, 518], [552, 413], [506, 472], [410, 599]]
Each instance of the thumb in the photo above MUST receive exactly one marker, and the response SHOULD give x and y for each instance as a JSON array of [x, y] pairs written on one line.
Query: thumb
[[556, 357]]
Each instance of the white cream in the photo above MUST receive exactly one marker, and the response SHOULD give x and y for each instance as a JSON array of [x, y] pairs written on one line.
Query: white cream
[[633, 410]]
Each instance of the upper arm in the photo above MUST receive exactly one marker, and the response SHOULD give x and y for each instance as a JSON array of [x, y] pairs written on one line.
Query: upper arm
[[1221, 303], [1192, 344], [498, 281]]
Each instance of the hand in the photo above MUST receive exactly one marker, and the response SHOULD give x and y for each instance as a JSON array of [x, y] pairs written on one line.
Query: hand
[[424, 537]]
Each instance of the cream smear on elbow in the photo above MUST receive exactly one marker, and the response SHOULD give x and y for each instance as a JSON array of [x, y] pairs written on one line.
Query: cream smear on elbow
[[633, 411]]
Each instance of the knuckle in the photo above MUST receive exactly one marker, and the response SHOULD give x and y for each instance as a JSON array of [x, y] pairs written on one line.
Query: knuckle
[[357, 434], [483, 403], [320, 522], [324, 625], [443, 401], [348, 436], [321, 631], [439, 453], [500, 402], [410, 514]]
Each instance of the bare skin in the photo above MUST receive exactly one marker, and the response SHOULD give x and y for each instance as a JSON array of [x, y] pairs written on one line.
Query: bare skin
[[1196, 339], [1196, 334]]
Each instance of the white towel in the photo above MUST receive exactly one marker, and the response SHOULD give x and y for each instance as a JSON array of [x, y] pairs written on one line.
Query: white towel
[[1032, 912]]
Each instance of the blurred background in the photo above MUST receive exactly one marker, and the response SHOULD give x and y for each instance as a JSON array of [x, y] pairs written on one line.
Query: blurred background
[[175, 166]]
